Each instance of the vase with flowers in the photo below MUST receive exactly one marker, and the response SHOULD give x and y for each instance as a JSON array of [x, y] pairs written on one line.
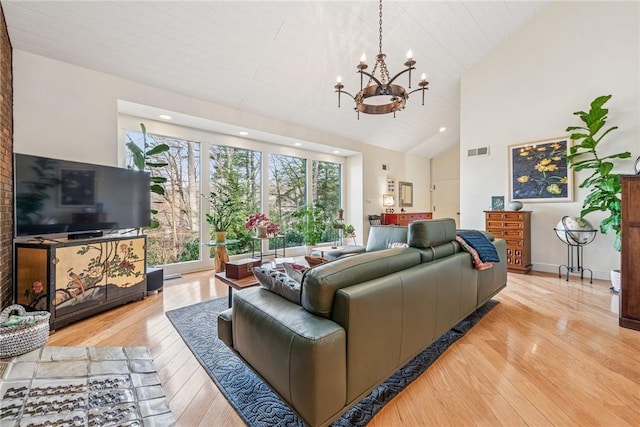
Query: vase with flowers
[[262, 225]]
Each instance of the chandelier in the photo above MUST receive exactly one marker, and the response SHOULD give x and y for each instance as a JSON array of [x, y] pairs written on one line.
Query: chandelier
[[374, 97]]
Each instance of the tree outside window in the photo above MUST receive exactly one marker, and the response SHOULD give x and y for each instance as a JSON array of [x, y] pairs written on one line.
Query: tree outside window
[[237, 174], [177, 237]]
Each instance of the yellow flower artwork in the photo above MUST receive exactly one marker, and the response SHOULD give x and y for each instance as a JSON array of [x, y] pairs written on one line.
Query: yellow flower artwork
[[539, 171]]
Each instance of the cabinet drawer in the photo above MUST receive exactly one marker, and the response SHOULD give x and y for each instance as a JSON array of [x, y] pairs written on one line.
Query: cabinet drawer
[[506, 233], [514, 243], [517, 216], [505, 224]]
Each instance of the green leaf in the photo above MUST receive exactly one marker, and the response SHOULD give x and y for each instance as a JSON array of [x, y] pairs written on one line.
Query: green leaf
[[576, 136], [157, 164], [600, 101], [157, 189], [158, 149], [137, 154]]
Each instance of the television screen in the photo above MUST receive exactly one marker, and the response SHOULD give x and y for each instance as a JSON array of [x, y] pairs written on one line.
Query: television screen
[[60, 196]]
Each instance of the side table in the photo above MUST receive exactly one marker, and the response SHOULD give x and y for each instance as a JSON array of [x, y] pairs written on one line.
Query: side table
[[279, 243], [237, 284], [222, 256]]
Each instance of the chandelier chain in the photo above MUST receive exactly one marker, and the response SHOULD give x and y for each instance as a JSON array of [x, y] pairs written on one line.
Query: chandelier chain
[[380, 31]]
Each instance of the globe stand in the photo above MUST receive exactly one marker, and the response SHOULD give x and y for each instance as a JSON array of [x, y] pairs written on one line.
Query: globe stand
[[575, 240]]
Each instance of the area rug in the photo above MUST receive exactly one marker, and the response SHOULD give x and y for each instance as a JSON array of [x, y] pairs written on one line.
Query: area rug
[[83, 386], [255, 402]]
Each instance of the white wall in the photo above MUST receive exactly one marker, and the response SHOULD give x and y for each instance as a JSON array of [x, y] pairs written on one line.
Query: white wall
[[70, 112], [418, 172], [527, 90]]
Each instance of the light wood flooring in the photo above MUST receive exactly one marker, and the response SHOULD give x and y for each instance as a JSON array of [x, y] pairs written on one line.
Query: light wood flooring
[[550, 354]]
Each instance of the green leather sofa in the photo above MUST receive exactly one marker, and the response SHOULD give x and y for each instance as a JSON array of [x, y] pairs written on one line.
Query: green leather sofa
[[361, 318]]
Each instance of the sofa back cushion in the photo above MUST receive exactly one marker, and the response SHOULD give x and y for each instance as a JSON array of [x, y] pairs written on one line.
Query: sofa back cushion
[[429, 233], [436, 238], [320, 284], [380, 236]]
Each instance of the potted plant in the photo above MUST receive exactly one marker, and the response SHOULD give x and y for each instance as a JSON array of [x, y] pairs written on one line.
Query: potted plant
[[262, 225], [604, 185], [311, 222], [222, 214]]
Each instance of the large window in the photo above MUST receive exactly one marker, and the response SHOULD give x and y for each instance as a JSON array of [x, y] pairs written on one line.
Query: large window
[[177, 239], [287, 193], [235, 175], [326, 192], [252, 178]]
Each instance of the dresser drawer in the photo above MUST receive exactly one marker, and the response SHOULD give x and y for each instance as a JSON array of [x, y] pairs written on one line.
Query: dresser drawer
[[501, 215], [505, 224]]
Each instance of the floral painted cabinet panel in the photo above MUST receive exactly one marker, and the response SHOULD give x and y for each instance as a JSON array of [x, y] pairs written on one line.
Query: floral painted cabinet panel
[[74, 280]]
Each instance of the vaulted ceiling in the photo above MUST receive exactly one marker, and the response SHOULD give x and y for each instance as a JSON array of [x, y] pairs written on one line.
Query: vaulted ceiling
[[280, 59]]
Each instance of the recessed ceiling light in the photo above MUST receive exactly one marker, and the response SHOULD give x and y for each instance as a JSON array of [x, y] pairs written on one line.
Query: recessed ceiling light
[[297, 144], [336, 151], [243, 133], [165, 116], [442, 129]]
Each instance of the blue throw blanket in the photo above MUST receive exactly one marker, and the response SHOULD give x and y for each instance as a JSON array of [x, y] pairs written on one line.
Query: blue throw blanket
[[478, 241]]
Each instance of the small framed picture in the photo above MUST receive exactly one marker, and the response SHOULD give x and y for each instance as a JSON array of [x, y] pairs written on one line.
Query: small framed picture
[[497, 203], [391, 185]]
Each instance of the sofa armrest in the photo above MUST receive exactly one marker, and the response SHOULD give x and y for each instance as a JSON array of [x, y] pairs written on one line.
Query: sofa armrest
[[225, 330], [302, 356]]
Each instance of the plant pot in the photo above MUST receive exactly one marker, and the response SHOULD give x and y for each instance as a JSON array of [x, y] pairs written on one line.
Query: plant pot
[[221, 236], [261, 232], [615, 280]]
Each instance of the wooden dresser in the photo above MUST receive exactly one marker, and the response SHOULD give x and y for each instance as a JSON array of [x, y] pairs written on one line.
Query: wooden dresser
[[404, 218], [515, 228], [630, 267]]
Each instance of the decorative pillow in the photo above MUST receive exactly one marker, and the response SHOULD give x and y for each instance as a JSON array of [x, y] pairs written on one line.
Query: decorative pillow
[[398, 245], [278, 283], [295, 271]]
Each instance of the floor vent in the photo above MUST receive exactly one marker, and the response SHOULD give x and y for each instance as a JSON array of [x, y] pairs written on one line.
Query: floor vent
[[480, 151]]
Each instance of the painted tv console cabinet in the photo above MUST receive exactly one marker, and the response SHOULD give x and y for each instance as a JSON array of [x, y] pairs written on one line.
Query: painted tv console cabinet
[[75, 279]]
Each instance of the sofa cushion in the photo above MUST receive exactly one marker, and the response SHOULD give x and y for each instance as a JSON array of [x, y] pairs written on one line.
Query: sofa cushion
[[320, 284], [278, 283], [428, 233], [381, 235]]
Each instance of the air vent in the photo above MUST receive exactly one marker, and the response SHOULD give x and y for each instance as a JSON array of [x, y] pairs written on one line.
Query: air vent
[[480, 151]]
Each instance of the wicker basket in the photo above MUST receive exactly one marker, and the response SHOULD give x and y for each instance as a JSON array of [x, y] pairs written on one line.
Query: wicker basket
[[20, 339]]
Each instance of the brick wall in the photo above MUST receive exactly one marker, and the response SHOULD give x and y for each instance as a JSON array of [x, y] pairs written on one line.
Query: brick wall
[[6, 165]]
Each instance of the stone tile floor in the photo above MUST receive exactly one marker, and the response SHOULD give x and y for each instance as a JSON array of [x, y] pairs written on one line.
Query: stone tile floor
[[82, 386]]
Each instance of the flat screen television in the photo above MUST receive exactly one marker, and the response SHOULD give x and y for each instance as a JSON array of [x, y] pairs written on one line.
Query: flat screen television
[[61, 196]]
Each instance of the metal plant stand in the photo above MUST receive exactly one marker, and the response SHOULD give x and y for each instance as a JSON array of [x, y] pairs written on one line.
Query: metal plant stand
[[575, 240]]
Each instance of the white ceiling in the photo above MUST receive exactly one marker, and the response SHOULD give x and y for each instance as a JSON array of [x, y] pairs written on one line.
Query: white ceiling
[[280, 59]]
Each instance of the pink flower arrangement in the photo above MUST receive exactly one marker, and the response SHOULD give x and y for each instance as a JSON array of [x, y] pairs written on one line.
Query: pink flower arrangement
[[261, 220]]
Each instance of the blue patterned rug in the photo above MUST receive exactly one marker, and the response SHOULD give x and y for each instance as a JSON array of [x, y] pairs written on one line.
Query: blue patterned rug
[[255, 402]]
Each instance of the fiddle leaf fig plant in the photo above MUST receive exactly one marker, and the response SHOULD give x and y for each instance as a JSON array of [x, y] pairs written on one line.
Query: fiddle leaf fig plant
[[604, 185], [144, 159]]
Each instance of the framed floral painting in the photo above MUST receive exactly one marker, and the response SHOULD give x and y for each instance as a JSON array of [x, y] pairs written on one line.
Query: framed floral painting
[[539, 171]]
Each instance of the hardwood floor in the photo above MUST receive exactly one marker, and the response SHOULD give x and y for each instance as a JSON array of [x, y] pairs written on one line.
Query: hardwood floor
[[550, 354]]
